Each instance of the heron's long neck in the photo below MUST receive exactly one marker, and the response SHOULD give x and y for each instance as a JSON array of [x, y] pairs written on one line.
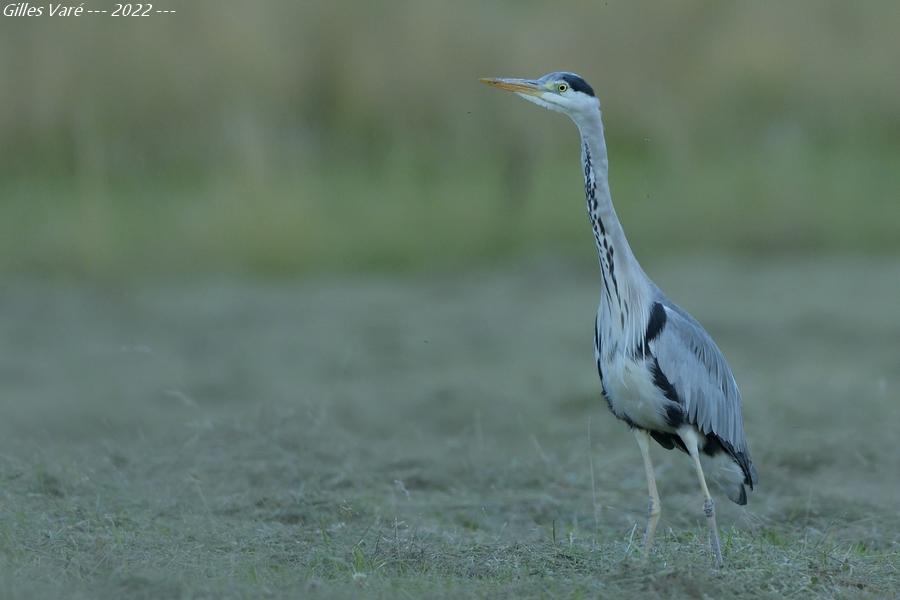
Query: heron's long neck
[[624, 282]]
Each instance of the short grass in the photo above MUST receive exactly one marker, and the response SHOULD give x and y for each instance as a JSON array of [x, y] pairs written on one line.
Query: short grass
[[440, 437]]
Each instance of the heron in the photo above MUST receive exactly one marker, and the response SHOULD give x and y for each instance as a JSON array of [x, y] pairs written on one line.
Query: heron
[[660, 371]]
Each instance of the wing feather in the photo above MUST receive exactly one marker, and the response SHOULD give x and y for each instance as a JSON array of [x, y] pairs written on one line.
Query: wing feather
[[697, 369]]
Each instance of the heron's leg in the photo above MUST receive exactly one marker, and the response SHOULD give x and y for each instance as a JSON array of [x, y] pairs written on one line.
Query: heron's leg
[[689, 436], [643, 440]]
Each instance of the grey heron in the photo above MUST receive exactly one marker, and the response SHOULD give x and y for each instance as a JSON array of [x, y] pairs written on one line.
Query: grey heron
[[660, 371]]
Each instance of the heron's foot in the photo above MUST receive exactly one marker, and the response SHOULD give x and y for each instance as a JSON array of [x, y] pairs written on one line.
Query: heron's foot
[[709, 509], [653, 512]]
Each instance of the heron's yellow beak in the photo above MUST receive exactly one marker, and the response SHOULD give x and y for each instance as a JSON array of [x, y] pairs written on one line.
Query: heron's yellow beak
[[519, 86]]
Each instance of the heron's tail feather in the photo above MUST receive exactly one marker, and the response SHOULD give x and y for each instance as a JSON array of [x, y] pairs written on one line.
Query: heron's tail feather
[[727, 475]]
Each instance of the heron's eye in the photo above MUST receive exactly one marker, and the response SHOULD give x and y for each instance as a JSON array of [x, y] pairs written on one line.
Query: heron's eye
[[562, 87]]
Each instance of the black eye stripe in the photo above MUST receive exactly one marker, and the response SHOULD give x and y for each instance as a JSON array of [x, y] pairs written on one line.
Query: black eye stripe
[[577, 84]]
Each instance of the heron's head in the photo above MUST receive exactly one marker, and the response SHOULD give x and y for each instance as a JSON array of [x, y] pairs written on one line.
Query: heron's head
[[560, 91]]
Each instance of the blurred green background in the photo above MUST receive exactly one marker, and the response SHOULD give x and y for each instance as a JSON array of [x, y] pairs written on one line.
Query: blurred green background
[[286, 138]]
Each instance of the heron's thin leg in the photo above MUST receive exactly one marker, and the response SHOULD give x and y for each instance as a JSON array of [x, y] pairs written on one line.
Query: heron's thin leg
[[709, 507], [643, 440]]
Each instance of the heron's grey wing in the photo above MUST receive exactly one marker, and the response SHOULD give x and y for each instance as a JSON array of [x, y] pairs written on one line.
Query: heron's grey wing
[[696, 368]]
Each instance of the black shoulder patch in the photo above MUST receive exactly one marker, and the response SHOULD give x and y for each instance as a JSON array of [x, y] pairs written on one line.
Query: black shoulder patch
[[598, 351], [662, 382], [578, 84], [656, 322]]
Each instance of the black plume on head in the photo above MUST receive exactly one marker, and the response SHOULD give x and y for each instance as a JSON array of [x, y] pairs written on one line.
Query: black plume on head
[[577, 83]]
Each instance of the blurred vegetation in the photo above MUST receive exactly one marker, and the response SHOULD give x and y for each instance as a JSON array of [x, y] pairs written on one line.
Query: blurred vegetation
[[291, 137]]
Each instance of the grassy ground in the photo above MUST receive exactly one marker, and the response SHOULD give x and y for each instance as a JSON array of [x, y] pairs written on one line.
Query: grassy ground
[[434, 438]]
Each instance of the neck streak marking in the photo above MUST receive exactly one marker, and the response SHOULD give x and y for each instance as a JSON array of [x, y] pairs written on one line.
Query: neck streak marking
[[605, 251]]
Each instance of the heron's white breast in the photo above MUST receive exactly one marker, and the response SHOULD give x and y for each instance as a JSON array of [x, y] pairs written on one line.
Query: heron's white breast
[[632, 393]]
